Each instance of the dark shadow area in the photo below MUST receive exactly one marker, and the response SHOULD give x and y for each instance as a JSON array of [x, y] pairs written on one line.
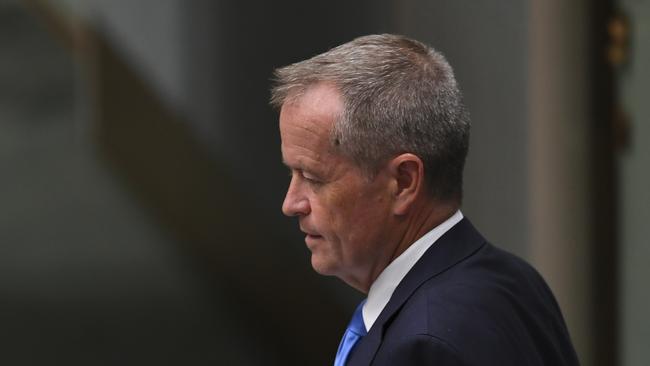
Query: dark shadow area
[[605, 197]]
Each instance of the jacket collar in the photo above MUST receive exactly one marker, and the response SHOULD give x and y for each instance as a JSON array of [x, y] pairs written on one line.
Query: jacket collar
[[455, 245]]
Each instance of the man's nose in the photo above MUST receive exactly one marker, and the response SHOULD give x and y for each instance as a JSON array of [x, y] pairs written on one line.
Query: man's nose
[[295, 203]]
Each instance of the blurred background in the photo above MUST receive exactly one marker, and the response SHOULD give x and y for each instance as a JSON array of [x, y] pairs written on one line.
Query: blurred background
[[141, 177]]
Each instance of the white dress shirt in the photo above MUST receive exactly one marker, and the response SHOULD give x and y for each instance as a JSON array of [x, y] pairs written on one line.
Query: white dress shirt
[[382, 289]]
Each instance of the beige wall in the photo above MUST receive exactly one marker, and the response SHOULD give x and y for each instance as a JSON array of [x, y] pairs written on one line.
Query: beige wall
[[558, 164]]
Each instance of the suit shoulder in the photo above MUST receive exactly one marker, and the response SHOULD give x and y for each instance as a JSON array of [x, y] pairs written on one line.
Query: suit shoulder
[[490, 301]]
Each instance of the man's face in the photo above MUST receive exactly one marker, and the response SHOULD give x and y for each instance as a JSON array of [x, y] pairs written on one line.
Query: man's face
[[346, 216]]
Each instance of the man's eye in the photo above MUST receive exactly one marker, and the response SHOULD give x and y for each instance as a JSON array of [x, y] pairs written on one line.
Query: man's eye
[[310, 178]]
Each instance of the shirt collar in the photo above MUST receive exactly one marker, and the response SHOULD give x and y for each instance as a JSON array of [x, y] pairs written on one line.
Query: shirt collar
[[382, 289]]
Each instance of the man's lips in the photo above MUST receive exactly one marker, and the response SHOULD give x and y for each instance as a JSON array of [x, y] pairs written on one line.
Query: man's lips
[[312, 240], [310, 235], [308, 231]]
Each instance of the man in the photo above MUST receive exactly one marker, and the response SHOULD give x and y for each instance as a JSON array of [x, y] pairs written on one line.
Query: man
[[375, 135]]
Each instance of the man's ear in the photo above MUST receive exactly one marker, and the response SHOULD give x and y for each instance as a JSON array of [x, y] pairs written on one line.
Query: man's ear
[[407, 173]]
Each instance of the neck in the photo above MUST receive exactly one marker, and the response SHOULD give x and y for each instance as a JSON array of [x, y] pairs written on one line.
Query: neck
[[412, 227], [422, 221]]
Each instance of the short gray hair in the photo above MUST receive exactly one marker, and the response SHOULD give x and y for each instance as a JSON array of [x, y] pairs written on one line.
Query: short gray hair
[[400, 96]]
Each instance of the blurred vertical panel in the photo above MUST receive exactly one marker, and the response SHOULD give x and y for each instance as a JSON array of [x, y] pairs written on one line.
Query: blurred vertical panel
[[632, 87], [560, 120], [605, 193]]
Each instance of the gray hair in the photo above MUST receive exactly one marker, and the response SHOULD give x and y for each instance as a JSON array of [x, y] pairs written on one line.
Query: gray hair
[[400, 96]]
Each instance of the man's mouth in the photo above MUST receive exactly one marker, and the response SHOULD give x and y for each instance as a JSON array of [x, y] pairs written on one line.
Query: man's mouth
[[311, 237], [308, 232]]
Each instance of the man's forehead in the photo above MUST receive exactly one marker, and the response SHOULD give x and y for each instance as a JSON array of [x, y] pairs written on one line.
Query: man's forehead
[[311, 117], [297, 147]]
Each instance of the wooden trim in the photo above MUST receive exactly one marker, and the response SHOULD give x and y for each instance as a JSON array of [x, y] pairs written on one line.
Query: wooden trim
[[605, 192]]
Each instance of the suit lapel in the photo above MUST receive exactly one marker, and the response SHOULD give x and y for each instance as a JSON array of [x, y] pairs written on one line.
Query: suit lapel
[[459, 242]]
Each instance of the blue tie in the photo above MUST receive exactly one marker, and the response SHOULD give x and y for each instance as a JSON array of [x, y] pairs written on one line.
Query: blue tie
[[356, 329]]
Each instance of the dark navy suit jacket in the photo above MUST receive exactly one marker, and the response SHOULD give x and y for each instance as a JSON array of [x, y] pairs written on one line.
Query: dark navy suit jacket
[[466, 302]]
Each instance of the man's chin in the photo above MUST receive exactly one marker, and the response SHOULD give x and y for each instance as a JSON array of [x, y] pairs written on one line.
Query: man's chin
[[322, 267]]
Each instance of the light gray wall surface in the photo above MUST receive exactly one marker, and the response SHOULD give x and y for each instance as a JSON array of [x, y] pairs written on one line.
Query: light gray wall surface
[[635, 195]]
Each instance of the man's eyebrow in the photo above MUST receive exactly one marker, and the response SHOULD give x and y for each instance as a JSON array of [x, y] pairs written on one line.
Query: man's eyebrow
[[298, 167], [292, 167], [284, 162]]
